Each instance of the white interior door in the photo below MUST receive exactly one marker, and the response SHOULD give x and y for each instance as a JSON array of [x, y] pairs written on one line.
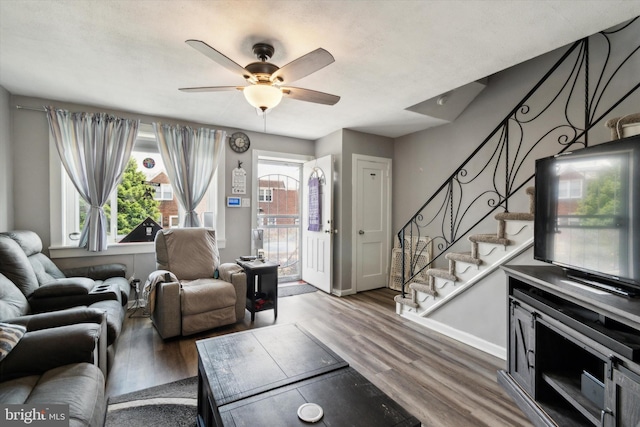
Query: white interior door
[[317, 246], [371, 222]]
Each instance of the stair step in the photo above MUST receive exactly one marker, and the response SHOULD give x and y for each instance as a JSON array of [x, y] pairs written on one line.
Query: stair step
[[489, 238], [463, 257], [514, 216], [424, 288], [531, 191], [441, 273], [405, 301]]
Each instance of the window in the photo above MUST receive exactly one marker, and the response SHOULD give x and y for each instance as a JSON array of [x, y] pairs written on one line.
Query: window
[[144, 192], [164, 192], [265, 194], [570, 189]]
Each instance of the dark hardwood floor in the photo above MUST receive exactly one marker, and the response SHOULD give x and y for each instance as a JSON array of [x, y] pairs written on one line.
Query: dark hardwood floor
[[439, 380]]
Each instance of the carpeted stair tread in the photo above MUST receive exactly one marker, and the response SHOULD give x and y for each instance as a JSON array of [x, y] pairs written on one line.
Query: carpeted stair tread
[[463, 257], [424, 288], [489, 238], [514, 216], [405, 301], [441, 273]]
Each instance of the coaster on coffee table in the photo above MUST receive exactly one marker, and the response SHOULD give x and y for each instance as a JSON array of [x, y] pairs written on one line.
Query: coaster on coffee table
[[310, 412]]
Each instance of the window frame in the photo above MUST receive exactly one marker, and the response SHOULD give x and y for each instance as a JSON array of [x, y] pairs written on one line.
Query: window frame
[[264, 193], [60, 202], [162, 190]]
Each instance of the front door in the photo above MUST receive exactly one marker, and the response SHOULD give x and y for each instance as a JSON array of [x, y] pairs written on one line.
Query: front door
[[371, 221], [317, 222]]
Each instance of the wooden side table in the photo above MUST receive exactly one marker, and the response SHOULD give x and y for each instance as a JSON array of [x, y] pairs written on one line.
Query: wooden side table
[[262, 286]]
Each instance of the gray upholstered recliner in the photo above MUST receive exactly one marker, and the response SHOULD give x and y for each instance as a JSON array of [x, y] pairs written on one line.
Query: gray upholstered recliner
[[192, 292], [47, 288]]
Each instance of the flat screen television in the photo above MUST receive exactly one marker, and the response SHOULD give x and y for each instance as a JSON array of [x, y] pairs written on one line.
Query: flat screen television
[[587, 214]]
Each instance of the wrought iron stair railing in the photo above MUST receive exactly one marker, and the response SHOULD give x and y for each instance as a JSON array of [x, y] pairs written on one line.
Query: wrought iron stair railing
[[577, 93]]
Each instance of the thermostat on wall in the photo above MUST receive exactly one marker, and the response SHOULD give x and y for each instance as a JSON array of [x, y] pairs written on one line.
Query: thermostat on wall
[[233, 202]]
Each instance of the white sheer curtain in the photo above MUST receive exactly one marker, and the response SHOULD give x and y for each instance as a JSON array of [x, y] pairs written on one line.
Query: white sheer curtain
[[190, 157], [94, 149]]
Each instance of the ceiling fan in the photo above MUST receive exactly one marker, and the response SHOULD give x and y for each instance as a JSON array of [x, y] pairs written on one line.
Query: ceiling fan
[[265, 90]]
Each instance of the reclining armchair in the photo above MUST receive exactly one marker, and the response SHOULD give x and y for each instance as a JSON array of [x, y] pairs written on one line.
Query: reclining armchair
[[47, 288], [191, 291]]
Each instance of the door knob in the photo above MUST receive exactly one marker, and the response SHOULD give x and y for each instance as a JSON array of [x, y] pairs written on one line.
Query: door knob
[[361, 232]]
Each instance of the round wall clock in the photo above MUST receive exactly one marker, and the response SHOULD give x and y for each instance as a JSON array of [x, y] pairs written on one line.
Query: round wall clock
[[239, 142]]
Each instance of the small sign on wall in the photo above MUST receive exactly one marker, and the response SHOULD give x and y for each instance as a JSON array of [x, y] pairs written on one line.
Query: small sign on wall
[[239, 180]]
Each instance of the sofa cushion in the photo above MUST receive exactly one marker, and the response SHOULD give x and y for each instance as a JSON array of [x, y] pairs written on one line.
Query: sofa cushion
[[203, 295], [189, 253], [12, 302], [16, 391], [28, 240], [9, 337], [65, 384], [15, 265], [115, 318], [45, 269], [31, 245]]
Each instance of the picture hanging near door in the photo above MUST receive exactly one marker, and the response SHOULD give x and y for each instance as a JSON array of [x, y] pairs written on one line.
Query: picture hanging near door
[[316, 180], [239, 180]]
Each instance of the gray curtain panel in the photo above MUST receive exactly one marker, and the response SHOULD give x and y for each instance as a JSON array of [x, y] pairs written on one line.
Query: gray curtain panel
[[94, 149], [190, 157]]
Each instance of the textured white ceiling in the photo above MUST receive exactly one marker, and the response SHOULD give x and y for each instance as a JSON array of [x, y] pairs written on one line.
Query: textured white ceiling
[[390, 55]]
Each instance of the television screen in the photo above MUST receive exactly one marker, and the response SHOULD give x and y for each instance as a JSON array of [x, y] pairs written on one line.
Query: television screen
[[587, 216]]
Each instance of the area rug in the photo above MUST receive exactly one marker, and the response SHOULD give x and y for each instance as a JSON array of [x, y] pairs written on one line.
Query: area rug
[[173, 404], [289, 290]]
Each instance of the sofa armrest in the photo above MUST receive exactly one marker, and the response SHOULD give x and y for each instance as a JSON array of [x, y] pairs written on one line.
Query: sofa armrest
[[228, 269], [42, 350], [167, 313], [235, 275], [98, 272], [71, 316], [64, 287]]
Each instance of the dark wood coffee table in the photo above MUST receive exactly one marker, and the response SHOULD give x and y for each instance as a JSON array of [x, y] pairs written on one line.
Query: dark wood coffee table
[[262, 376]]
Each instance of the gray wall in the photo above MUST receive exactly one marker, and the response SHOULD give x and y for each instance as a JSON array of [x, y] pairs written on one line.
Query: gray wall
[[343, 144], [424, 160], [6, 169], [30, 145]]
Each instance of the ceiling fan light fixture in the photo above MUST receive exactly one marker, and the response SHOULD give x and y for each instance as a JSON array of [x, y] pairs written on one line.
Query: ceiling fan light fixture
[[262, 96]]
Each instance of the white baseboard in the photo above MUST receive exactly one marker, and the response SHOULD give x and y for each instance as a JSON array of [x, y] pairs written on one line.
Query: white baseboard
[[458, 335]]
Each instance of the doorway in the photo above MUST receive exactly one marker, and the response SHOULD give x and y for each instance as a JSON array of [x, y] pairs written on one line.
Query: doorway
[[277, 198], [371, 209]]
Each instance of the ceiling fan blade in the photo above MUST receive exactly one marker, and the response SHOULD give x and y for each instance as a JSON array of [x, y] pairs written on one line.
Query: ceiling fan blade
[[221, 59], [310, 95], [303, 66], [210, 88]]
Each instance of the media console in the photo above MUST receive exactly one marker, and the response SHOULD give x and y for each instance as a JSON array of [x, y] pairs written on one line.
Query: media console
[[573, 352]]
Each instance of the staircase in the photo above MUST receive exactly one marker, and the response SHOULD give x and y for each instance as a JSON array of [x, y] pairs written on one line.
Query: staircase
[[488, 251], [580, 91]]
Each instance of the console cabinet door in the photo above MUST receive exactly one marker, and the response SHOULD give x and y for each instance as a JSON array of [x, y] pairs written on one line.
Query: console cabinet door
[[623, 399], [521, 346]]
